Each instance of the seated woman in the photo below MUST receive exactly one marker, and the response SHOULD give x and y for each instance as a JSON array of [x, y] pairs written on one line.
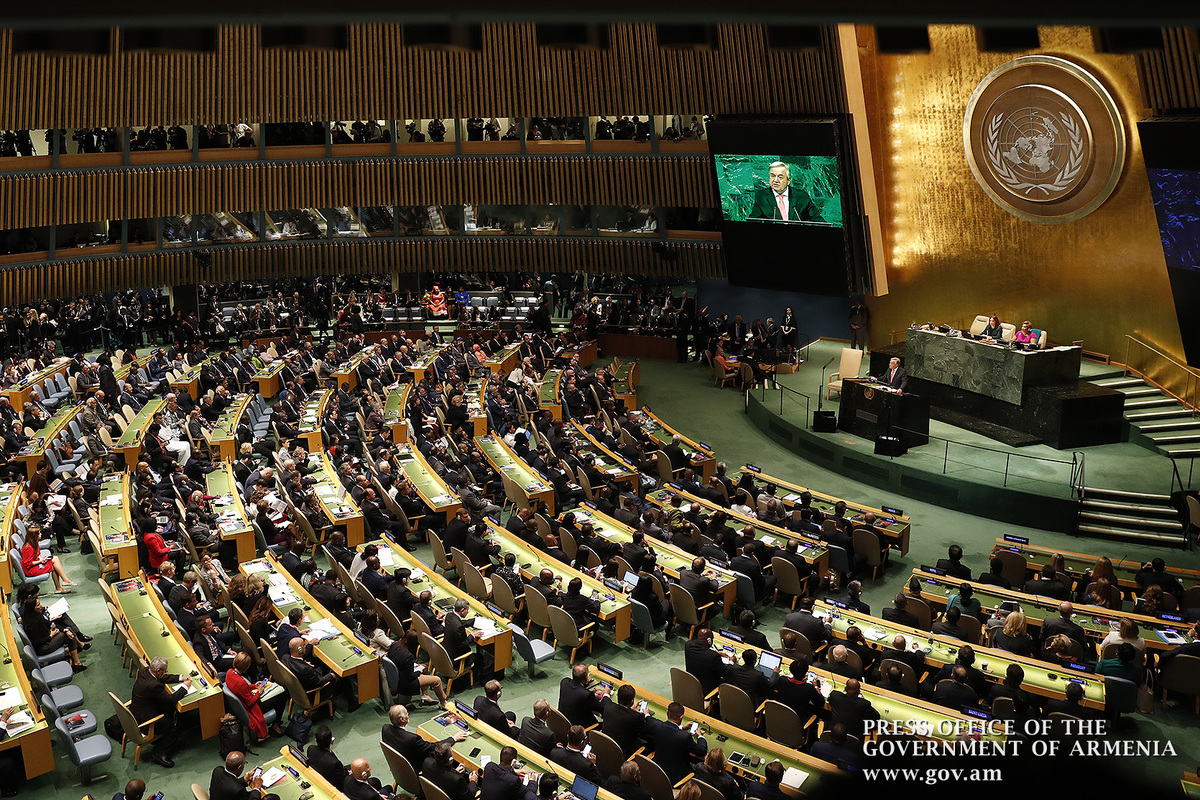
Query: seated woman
[[437, 303], [46, 637], [994, 329], [1013, 637], [411, 679], [1026, 334], [660, 610], [32, 564], [715, 773], [254, 696]]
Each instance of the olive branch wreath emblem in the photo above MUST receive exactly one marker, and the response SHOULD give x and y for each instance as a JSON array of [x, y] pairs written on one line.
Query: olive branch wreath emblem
[[1010, 178]]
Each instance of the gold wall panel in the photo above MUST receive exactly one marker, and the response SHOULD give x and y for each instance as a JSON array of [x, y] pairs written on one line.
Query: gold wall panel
[[952, 253], [66, 278]]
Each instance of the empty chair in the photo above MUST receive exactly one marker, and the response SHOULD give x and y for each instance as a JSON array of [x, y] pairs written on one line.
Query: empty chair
[[687, 690], [737, 708], [534, 651], [139, 735], [86, 752], [848, 367]]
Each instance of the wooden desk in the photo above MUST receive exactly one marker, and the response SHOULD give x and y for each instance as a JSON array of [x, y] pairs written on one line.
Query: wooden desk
[[424, 577], [148, 621], [424, 364], [587, 352], [116, 533], [223, 439], [810, 549], [34, 741], [35, 451], [942, 650], [505, 360], [625, 387], [342, 653], [672, 560], [737, 739], [617, 469], [614, 605], [549, 393], [429, 485], [267, 379], [10, 498], [476, 406], [234, 526], [311, 417], [703, 460], [21, 392], [344, 512], [528, 480], [130, 443], [894, 527], [289, 787], [1095, 621], [347, 374], [394, 412], [1079, 563], [189, 381], [1191, 784]]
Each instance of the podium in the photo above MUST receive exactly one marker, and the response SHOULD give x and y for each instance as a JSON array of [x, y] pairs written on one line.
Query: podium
[[871, 410]]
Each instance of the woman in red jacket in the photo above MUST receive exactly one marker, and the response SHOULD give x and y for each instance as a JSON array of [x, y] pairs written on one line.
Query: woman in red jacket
[[32, 564], [156, 548], [251, 694]]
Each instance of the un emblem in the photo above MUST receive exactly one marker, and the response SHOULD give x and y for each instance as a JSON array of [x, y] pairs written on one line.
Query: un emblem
[[1044, 139]]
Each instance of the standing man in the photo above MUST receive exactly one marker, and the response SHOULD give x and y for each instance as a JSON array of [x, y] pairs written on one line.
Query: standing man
[[860, 318], [895, 376]]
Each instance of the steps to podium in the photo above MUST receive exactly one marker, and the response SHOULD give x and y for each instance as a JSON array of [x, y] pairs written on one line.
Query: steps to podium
[[1132, 516]]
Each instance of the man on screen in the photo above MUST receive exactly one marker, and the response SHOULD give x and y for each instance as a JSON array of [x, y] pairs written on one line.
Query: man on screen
[[783, 201]]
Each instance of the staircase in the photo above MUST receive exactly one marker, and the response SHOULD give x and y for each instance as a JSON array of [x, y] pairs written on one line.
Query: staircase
[[1132, 516], [1156, 420]]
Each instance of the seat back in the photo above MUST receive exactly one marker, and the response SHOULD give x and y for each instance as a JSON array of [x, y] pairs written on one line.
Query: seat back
[[609, 755], [641, 617], [784, 724], [558, 722], [684, 605], [439, 659], [129, 725], [664, 466], [654, 780], [1003, 707], [802, 642], [908, 677], [1181, 674], [920, 609], [502, 596], [850, 363], [867, 544], [235, 706], [971, 628], [403, 774], [539, 609], [476, 586], [839, 559], [440, 558], [248, 645], [708, 792], [686, 689], [1014, 567], [565, 631], [736, 707], [787, 577], [980, 324], [432, 791]]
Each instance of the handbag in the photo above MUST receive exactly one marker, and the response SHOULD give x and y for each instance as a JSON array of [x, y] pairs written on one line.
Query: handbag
[[299, 727], [1145, 695]]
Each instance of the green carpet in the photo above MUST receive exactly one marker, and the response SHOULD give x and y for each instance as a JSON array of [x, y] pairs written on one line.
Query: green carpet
[[682, 396]]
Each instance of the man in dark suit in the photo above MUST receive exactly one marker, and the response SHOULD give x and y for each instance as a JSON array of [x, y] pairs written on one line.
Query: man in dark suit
[[228, 783], [851, 709], [151, 698], [441, 771], [457, 529], [701, 587], [838, 662], [1046, 585], [480, 549], [702, 661], [900, 652], [895, 376], [323, 760], [1072, 705], [780, 200], [955, 693], [621, 722], [287, 630], [501, 782], [458, 639], [975, 677], [748, 565], [408, 744], [853, 598], [627, 783], [310, 674], [745, 628], [835, 750], [1024, 704], [572, 758], [795, 692], [953, 565], [675, 749], [576, 701], [535, 733], [1063, 625], [487, 707], [899, 613], [750, 679], [803, 621], [769, 788], [948, 624], [675, 454], [995, 575]]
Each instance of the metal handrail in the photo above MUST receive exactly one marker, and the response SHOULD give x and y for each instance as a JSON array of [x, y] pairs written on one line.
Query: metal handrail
[[1191, 383], [1076, 462], [763, 398]]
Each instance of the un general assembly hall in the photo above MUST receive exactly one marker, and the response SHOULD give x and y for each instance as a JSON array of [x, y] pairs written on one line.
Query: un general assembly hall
[[528, 401]]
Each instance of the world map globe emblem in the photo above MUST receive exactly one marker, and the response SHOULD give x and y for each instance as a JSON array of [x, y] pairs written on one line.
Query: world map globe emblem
[[1044, 139]]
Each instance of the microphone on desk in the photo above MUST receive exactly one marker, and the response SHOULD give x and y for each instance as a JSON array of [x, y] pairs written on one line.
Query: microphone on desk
[[165, 631]]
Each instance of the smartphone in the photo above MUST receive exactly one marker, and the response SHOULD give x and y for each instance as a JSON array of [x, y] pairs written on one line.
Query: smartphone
[[642, 706], [695, 727], [257, 773], [587, 751], [474, 753]]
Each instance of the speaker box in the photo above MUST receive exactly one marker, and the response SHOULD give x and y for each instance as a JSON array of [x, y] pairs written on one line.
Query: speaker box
[[824, 422], [889, 446]]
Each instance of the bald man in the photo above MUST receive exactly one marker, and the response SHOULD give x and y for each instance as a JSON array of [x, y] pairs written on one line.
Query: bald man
[[360, 785], [228, 783]]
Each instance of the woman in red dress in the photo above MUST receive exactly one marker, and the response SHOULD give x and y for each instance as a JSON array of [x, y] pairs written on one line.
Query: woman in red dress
[[32, 563], [250, 694], [437, 303]]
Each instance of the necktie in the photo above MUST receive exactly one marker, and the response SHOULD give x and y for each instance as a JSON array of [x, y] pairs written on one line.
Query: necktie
[[212, 645], [782, 208]]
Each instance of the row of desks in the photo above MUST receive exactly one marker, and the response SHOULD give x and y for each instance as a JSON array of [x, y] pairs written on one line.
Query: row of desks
[[550, 393], [432, 490], [35, 450], [223, 439], [33, 740], [625, 386], [1040, 678], [129, 445], [22, 392], [1096, 622], [1079, 563], [507, 464], [617, 469], [703, 460]]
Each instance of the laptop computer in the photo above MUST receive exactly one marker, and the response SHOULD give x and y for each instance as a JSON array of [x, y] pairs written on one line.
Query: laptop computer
[[584, 790], [768, 661], [630, 580]]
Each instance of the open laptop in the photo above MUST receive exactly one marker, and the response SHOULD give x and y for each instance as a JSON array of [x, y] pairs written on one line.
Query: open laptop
[[630, 580], [584, 790], [768, 661]]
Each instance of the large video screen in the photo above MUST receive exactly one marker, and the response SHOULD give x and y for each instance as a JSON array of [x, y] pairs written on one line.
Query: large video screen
[[778, 188], [1176, 194], [782, 187]]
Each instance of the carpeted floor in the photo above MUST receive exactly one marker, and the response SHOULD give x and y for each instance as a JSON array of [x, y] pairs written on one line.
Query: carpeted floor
[[682, 396]]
